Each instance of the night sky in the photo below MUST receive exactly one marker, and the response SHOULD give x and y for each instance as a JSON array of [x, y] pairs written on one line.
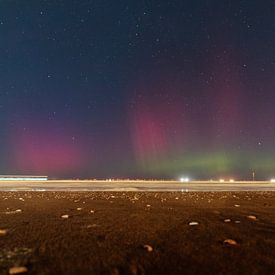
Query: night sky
[[137, 89]]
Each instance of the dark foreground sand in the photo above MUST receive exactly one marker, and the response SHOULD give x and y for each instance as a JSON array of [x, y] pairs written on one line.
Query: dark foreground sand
[[113, 238]]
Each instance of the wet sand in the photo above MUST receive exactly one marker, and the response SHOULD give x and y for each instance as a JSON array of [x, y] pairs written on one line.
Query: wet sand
[[138, 232]]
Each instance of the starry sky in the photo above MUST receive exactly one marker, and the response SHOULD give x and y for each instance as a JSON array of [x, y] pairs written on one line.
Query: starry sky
[[137, 89]]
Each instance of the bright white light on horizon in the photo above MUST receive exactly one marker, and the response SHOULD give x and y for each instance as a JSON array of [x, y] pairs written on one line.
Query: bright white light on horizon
[[21, 178], [231, 180], [221, 180], [186, 179], [272, 180]]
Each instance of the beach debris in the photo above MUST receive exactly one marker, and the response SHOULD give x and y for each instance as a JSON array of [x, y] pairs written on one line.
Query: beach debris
[[13, 211], [92, 225], [148, 247], [237, 221], [78, 208], [251, 217], [92, 211], [65, 216], [227, 220], [18, 270], [230, 242], [176, 198], [193, 223], [21, 199], [237, 205], [3, 232], [148, 205], [135, 198]]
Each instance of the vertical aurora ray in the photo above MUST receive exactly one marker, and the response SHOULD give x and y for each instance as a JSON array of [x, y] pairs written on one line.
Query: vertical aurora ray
[[158, 124], [227, 101]]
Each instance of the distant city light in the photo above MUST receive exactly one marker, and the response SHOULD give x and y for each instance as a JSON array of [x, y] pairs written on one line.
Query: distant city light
[[231, 180], [23, 178], [272, 180], [184, 179], [221, 180]]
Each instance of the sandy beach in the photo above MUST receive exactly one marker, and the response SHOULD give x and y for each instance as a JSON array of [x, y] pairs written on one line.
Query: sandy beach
[[137, 232]]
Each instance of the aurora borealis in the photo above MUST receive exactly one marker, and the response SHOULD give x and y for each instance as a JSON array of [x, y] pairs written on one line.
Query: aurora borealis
[[138, 89]]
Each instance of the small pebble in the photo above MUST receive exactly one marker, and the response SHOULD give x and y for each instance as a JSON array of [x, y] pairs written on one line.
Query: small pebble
[[148, 247], [92, 225], [79, 208], [193, 223], [216, 212], [148, 205], [227, 220], [18, 210], [18, 270], [237, 205], [3, 232], [230, 242], [251, 217], [65, 216], [237, 221], [92, 211]]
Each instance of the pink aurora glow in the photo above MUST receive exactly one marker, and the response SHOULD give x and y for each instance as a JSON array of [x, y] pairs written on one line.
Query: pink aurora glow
[[158, 125], [43, 150]]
